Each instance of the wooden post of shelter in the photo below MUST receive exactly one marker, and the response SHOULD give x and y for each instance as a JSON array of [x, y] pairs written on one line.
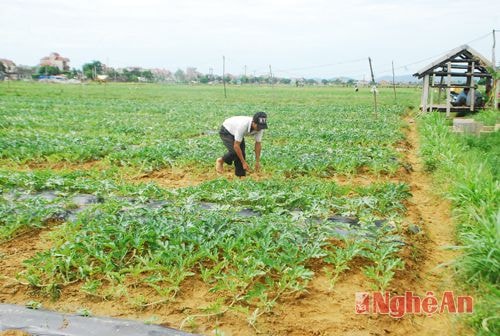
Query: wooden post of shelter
[[495, 82], [440, 89], [448, 91], [425, 94], [497, 92], [472, 88], [431, 89]]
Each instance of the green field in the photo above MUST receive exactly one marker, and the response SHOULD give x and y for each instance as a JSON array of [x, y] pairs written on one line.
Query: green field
[[253, 242], [314, 131]]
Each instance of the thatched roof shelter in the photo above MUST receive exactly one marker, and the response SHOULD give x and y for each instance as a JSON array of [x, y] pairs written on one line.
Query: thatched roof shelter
[[459, 68]]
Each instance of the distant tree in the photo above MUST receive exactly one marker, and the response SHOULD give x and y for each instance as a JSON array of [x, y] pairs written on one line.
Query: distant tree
[[48, 70], [272, 80], [192, 74], [324, 81], [285, 81], [113, 75], [92, 69], [180, 76], [127, 76], [132, 75], [74, 73], [162, 75], [244, 79], [2, 68], [260, 79], [204, 79], [148, 75]]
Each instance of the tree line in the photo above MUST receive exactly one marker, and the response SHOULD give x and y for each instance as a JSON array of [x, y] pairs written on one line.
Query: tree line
[[96, 70]]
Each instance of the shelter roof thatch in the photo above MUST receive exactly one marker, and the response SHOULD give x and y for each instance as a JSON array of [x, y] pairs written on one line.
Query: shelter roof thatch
[[461, 53]]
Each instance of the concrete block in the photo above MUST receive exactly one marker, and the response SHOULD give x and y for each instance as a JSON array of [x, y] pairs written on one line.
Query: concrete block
[[468, 126]]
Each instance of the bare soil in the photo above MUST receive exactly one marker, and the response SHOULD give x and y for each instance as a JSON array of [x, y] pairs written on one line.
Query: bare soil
[[13, 333], [318, 311], [185, 177]]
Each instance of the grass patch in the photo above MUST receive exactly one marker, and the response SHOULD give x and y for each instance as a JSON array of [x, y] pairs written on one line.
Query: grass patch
[[467, 169]]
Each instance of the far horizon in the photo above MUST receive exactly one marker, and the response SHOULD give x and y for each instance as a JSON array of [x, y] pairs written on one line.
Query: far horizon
[[402, 78], [346, 76], [293, 38]]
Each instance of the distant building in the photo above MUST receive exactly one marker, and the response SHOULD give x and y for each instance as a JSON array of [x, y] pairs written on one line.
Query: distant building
[[10, 69], [25, 72], [8, 65], [363, 83], [162, 75], [55, 60]]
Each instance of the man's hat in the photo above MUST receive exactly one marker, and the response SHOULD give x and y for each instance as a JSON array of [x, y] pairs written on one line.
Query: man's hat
[[260, 118]]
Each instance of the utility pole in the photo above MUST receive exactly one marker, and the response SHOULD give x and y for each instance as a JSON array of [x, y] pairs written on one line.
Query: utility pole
[[393, 81], [106, 69], [374, 87], [271, 75], [224, 74]]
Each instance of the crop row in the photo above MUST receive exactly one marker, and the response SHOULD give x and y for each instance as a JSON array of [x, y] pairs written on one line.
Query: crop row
[[155, 127], [252, 242]]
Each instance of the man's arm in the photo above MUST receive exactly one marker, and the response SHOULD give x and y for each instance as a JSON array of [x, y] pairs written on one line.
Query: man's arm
[[258, 147], [239, 153]]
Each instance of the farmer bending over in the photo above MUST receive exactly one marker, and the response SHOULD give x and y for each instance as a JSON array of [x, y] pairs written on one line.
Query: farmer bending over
[[232, 133]]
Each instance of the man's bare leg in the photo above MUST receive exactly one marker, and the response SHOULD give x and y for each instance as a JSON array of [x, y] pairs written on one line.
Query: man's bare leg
[[219, 164]]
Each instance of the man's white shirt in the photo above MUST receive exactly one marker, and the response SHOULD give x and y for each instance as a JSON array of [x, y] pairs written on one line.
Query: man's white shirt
[[240, 126]]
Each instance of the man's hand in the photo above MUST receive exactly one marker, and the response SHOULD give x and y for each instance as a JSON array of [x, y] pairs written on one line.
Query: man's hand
[[246, 166], [257, 166]]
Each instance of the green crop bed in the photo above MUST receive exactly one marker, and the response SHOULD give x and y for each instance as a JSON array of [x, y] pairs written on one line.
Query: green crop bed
[[241, 237], [251, 241], [313, 131]]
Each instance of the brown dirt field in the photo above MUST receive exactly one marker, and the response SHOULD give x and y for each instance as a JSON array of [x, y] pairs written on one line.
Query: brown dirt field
[[362, 180], [318, 311], [13, 333], [184, 177], [57, 166], [12, 255]]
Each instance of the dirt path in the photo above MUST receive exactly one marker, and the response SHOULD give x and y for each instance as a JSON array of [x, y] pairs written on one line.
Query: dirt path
[[319, 310], [433, 214]]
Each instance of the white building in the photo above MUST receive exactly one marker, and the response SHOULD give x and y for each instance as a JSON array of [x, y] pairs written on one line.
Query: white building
[[55, 60]]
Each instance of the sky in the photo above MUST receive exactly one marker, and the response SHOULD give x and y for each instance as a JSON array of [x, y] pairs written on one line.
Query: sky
[[295, 38]]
